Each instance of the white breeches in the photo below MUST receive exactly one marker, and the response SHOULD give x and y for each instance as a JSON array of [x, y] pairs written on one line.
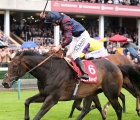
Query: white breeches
[[97, 53], [77, 45]]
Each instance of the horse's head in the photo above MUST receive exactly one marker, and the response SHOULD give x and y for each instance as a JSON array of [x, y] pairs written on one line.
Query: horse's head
[[16, 69]]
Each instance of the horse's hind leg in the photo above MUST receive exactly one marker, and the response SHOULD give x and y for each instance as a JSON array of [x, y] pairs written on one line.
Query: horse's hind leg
[[86, 107], [113, 99], [98, 106], [115, 104], [138, 105], [122, 97], [76, 104]]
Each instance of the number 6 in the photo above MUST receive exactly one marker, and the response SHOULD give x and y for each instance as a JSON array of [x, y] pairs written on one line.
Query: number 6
[[91, 69]]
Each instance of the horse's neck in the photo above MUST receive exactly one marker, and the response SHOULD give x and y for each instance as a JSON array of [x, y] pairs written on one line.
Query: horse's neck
[[34, 64]]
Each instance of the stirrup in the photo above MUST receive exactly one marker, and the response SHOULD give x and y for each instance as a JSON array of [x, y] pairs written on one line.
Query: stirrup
[[84, 76]]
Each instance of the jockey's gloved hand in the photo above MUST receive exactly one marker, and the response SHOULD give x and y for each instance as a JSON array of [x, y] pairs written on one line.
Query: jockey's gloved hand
[[57, 48], [42, 15]]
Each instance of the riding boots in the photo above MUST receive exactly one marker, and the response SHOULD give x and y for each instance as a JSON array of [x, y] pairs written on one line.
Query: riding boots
[[82, 68]]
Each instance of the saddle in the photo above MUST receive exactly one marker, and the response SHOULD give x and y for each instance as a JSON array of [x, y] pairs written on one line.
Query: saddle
[[89, 65]]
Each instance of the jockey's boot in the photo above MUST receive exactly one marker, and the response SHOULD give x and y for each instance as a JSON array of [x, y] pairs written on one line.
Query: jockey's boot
[[83, 70]]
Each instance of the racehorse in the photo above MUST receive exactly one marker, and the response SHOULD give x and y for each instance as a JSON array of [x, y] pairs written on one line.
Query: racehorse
[[56, 81], [117, 59]]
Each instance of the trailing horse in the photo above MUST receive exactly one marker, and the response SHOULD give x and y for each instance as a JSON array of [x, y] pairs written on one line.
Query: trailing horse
[[56, 82]]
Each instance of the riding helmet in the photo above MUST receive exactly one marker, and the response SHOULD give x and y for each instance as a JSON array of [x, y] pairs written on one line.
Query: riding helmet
[[52, 17]]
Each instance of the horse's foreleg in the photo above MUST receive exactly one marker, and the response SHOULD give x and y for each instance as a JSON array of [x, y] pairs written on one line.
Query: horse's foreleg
[[76, 104], [122, 97], [35, 98], [86, 107], [138, 105], [98, 106], [49, 102]]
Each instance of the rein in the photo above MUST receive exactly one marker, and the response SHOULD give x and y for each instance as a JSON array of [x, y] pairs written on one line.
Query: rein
[[39, 64]]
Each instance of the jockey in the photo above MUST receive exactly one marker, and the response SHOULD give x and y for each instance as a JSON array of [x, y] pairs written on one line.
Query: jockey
[[95, 49], [70, 28]]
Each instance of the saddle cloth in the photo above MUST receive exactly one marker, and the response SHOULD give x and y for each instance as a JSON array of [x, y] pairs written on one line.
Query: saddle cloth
[[90, 69]]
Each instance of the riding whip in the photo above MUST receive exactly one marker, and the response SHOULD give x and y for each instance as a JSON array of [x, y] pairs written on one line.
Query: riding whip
[[45, 6]]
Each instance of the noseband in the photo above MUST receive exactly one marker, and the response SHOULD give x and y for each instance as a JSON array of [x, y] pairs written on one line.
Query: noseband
[[18, 72]]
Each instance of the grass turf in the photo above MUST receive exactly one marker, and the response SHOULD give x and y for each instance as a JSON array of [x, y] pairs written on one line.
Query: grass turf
[[13, 109]]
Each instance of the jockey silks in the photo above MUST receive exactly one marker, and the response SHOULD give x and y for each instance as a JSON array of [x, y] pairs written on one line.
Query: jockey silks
[[70, 28]]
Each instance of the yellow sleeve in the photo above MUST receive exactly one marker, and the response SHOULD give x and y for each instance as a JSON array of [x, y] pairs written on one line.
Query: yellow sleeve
[[82, 55]]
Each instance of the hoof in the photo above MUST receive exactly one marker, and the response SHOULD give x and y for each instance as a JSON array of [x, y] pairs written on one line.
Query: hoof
[[139, 113], [26, 118]]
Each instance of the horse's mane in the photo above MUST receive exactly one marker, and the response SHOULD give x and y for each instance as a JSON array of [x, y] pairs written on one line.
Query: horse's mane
[[29, 53], [36, 53]]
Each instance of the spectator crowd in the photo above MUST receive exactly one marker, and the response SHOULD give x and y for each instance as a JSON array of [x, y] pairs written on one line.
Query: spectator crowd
[[42, 35]]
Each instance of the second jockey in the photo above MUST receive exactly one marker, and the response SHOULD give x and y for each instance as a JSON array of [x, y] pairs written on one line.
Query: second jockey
[[95, 49]]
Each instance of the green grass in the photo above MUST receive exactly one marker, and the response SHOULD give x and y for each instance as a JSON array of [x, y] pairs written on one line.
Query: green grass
[[13, 109]]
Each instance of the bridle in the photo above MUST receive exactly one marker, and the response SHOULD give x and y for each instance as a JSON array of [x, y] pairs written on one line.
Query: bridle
[[19, 70]]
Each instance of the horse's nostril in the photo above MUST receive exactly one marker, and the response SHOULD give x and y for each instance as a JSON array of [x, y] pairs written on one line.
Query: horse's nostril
[[6, 85]]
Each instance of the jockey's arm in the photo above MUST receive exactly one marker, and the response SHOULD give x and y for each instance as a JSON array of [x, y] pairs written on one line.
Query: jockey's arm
[[68, 35]]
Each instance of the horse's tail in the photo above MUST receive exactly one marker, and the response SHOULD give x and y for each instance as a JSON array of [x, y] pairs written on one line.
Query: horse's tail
[[132, 74]]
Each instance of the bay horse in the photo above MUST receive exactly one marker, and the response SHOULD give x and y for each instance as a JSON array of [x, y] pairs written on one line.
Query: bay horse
[[56, 81], [117, 59]]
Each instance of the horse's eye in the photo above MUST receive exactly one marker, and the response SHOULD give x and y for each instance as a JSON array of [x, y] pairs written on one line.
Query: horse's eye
[[14, 67]]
